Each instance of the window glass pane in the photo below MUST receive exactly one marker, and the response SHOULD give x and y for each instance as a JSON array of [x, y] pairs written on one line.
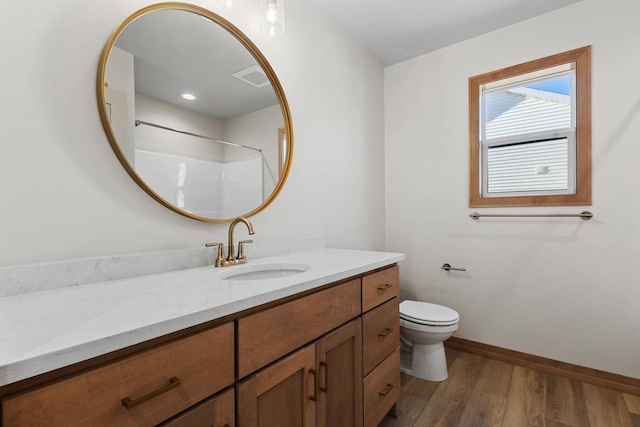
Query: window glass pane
[[528, 166], [530, 133], [543, 105]]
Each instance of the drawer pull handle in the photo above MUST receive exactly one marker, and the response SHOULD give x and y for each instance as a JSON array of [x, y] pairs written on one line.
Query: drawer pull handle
[[314, 397], [385, 287], [130, 403], [326, 376], [386, 332], [386, 390]]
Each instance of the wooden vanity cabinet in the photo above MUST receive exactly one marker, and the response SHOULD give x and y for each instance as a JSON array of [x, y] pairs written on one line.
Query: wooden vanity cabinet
[[324, 383], [156, 384], [381, 344], [297, 364], [319, 385]]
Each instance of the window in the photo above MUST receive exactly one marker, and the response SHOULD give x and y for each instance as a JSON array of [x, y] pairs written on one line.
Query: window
[[530, 133]]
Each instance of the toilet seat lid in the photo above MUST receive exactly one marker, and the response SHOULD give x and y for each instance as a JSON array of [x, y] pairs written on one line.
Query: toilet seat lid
[[427, 313]]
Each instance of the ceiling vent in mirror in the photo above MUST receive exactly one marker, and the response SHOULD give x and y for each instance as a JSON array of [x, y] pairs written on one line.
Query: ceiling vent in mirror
[[253, 75]]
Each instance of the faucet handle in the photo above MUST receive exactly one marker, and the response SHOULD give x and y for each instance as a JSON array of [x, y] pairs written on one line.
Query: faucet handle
[[220, 258], [241, 255]]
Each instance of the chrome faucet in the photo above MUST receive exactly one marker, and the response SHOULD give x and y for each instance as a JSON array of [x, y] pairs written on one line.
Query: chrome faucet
[[232, 259]]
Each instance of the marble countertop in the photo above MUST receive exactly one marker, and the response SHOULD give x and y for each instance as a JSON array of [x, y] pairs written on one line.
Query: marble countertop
[[46, 330]]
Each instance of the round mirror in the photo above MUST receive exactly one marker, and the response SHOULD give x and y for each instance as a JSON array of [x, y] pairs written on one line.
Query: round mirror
[[194, 112]]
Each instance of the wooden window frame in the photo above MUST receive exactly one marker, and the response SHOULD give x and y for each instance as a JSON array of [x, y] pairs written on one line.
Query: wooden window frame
[[582, 196]]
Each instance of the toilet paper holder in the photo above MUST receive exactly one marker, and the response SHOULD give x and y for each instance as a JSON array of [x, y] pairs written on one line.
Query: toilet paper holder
[[446, 266]]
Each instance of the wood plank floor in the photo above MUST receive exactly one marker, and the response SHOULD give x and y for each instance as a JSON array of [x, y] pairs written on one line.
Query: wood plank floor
[[483, 392]]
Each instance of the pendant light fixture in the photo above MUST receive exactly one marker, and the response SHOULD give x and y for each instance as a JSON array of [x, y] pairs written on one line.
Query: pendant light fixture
[[273, 17]]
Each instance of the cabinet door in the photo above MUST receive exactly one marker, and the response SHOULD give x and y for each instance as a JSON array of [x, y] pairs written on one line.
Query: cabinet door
[[339, 367], [282, 394]]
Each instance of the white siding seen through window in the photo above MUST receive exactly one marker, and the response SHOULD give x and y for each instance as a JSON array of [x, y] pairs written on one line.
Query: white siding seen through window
[[528, 137]]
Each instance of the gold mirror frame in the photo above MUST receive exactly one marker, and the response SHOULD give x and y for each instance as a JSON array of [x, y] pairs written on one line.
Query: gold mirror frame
[[255, 52]]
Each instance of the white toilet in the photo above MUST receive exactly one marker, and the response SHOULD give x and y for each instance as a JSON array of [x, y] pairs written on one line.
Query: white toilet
[[424, 327]]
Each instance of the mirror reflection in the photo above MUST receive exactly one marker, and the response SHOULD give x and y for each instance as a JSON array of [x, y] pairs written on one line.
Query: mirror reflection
[[195, 113]]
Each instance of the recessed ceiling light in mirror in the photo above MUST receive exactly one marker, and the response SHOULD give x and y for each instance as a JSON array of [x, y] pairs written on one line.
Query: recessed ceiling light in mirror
[[188, 96]]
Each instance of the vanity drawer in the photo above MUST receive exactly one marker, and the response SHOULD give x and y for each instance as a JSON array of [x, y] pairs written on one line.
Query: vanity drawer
[[216, 411], [183, 372], [381, 389], [380, 334], [270, 334], [380, 287]]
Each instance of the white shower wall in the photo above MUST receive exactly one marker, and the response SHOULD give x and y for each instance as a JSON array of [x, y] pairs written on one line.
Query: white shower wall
[[198, 186]]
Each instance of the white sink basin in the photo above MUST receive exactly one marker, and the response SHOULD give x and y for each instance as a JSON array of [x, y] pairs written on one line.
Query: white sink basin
[[262, 271]]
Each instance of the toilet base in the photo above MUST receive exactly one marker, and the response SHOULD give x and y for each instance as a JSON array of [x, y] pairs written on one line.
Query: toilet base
[[427, 362]]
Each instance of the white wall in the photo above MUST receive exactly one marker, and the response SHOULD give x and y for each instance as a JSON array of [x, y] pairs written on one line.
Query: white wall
[[65, 195], [565, 289]]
